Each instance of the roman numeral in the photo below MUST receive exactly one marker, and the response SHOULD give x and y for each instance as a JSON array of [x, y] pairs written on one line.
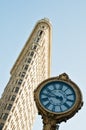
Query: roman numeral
[[53, 109], [54, 85], [46, 94], [47, 105], [60, 87], [44, 99], [70, 100], [66, 105], [66, 89], [69, 94], [60, 108], [48, 90]]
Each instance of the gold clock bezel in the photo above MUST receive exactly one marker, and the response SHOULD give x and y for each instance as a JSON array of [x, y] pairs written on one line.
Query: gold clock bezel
[[61, 115]]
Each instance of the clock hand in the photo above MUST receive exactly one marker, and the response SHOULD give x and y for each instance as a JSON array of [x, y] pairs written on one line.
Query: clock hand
[[52, 93], [57, 97]]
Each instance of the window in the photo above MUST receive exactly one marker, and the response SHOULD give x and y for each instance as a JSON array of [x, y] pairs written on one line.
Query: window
[[31, 53], [9, 106], [1, 125], [34, 47], [19, 73], [29, 60], [13, 109], [43, 26], [37, 39], [4, 116], [23, 74], [40, 33], [20, 92], [20, 81], [5, 128], [16, 81], [13, 89], [26, 67], [16, 89], [12, 98], [26, 60]]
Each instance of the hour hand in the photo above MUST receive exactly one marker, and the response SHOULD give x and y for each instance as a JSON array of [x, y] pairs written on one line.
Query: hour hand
[[56, 96]]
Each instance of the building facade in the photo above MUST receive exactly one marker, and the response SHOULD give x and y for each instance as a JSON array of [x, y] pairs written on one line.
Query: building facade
[[17, 107]]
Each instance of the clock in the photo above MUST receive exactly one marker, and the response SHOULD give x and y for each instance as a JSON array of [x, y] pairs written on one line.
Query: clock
[[58, 98]]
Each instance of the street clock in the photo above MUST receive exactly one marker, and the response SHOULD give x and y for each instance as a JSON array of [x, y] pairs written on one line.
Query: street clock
[[57, 100]]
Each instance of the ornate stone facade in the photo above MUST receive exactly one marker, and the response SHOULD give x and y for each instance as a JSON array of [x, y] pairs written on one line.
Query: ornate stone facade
[[17, 107]]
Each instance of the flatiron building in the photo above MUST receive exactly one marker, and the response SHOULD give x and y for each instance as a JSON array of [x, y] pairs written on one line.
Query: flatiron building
[[17, 107]]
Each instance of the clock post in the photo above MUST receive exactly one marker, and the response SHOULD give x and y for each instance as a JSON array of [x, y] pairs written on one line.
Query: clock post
[[49, 124], [57, 99]]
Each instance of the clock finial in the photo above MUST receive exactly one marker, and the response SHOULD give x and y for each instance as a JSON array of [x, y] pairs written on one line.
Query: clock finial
[[63, 76]]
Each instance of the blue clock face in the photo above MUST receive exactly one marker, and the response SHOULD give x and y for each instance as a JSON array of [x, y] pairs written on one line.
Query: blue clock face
[[57, 96]]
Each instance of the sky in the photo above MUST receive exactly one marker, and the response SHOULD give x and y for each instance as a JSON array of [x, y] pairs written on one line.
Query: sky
[[68, 19]]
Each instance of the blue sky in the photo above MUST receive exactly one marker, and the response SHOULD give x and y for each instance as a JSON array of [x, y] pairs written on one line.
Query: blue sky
[[68, 18]]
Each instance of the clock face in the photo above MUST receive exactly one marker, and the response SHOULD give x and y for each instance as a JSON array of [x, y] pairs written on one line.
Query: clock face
[[57, 96]]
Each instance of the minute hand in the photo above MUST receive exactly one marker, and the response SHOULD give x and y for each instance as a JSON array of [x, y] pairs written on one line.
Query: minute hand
[[56, 96]]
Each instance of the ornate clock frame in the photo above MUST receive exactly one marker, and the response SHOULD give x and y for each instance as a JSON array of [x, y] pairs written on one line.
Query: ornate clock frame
[[50, 119]]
